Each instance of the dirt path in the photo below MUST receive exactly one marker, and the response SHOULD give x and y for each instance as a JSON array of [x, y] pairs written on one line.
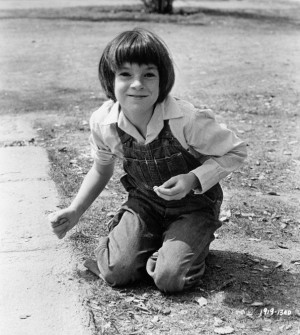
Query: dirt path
[[38, 290]]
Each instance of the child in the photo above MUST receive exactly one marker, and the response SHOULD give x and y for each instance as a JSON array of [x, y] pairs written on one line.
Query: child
[[174, 157]]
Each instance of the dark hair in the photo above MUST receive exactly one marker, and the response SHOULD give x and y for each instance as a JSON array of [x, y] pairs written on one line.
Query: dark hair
[[136, 46]]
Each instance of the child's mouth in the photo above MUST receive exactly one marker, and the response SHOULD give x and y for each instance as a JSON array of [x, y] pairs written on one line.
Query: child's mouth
[[138, 96]]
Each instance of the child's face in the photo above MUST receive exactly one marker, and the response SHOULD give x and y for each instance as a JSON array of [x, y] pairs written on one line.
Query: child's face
[[137, 87]]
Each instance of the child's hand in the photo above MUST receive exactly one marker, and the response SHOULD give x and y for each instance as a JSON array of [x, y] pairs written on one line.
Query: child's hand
[[177, 187], [62, 221]]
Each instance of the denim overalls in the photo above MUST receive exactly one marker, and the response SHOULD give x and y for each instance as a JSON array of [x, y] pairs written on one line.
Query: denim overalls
[[169, 238]]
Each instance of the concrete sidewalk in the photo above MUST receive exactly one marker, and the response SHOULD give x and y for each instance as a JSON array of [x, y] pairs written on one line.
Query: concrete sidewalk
[[39, 294]]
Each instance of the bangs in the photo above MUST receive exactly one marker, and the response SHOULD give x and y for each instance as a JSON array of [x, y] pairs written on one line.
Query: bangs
[[136, 49]]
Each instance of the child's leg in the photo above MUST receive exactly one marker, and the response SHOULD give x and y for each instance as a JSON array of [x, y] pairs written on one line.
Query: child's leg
[[180, 262], [122, 255]]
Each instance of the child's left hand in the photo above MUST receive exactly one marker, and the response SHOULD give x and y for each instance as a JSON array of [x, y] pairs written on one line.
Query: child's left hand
[[177, 187]]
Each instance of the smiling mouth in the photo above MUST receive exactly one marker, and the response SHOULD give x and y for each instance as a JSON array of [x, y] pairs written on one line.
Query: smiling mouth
[[137, 96]]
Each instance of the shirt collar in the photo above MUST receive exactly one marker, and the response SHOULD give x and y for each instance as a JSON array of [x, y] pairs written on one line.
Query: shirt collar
[[170, 109], [113, 114]]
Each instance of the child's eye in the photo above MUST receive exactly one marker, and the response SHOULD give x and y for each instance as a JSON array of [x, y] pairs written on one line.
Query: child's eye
[[150, 75], [124, 74]]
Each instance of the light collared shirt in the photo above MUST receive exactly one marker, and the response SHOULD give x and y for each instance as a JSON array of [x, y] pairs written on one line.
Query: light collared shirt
[[195, 129]]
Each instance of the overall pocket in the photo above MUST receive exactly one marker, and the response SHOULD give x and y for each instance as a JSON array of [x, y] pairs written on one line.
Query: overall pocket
[[138, 171]]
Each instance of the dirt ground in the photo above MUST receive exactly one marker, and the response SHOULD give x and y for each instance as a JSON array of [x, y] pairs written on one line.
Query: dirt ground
[[246, 68]]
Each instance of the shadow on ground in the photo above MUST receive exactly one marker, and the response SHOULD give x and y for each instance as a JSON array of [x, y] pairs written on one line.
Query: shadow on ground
[[249, 280], [245, 281]]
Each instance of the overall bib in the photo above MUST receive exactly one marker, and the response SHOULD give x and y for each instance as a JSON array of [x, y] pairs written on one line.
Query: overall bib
[[169, 238]]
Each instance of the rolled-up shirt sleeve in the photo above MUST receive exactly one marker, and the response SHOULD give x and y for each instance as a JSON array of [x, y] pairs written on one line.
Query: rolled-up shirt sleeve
[[220, 150], [100, 151]]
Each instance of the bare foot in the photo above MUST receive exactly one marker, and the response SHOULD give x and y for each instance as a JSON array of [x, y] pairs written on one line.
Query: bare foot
[[92, 266]]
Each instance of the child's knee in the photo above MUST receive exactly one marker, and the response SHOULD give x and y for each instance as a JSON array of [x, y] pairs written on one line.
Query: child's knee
[[166, 275], [169, 280], [115, 268], [119, 274], [171, 276]]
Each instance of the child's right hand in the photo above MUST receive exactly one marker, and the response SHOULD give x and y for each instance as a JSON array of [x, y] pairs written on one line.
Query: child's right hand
[[62, 221]]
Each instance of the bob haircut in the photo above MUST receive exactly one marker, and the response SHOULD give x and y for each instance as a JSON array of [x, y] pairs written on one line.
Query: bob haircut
[[136, 46]]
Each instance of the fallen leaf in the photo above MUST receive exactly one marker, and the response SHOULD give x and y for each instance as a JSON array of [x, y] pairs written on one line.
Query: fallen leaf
[[226, 283], [155, 319], [282, 246], [254, 239], [257, 304], [166, 311], [138, 318], [273, 193], [247, 214], [240, 326], [295, 260], [201, 301], [218, 322], [246, 298], [129, 299], [224, 330]]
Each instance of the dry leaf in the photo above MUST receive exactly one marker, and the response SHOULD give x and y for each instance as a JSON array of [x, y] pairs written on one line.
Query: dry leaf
[[166, 311], [155, 319], [201, 301], [218, 322], [224, 330], [282, 246], [257, 304], [246, 299]]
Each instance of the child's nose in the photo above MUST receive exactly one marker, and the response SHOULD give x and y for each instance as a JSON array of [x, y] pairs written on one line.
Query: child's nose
[[137, 83]]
